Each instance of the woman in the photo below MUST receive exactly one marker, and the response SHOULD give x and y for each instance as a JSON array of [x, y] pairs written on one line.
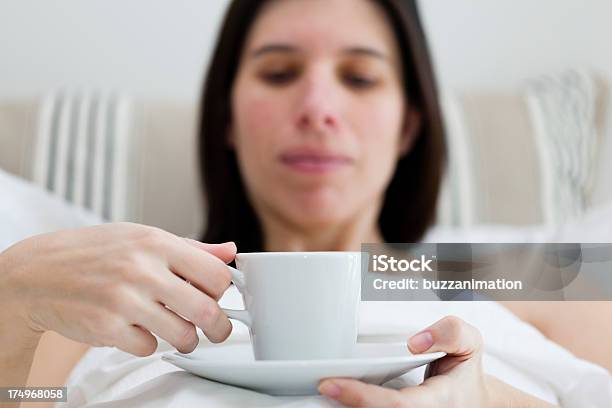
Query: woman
[[318, 117]]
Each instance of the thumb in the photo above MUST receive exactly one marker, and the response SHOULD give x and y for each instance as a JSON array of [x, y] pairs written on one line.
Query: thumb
[[225, 251], [458, 339]]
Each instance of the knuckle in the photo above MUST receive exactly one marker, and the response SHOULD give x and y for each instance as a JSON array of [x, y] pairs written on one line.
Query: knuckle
[[207, 316], [120, 300], [154, 238], [221, 335], [463, 334], [106, 291], [115, 324], [454, 324], [123, 273], [145, 348], [187, 338], [132, 267], [106, 327], [153, 282], [129, 261], [222, 281]]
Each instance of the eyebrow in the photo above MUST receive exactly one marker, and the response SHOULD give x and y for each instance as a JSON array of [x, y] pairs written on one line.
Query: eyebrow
[[366, 51], [273, 48], [289, 49]]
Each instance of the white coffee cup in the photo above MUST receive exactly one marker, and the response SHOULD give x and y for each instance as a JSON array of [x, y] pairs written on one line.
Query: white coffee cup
[[299, 305]]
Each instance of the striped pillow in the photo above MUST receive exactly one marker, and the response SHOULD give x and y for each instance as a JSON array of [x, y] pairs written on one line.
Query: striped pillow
[[82, 151]]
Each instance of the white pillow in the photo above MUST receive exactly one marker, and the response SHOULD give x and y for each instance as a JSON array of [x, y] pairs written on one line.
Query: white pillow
[[27, 210], [594, 226]]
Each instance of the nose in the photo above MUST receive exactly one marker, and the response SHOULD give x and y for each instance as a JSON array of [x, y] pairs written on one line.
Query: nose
[[316, 121], [317, 107]]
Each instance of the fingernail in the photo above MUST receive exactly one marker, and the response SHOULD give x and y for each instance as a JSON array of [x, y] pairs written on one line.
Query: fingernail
[[330, 389], [230, 244], [421, 342]]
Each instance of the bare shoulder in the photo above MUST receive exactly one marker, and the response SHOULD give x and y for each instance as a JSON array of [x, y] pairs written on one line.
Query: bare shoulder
[[54, 359], [584, 328]]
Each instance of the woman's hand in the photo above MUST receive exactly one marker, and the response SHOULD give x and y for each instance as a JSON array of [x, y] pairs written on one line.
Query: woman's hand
[[456, 380], [115, 285]]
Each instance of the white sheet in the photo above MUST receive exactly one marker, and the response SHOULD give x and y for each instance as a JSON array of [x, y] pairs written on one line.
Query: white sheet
[[514, 352]]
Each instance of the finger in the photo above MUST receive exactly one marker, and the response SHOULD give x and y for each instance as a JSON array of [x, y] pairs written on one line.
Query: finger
[[137, 341], [196, 306], [171, 327], [203, 269], [450, 335], [225, 251], [354, 393], [458, 339]]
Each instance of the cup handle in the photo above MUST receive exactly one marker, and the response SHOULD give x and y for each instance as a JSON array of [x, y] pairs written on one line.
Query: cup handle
[[240, 315]]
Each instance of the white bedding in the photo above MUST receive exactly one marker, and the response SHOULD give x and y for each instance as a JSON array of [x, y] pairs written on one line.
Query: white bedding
[[26, 210], [514, 351]]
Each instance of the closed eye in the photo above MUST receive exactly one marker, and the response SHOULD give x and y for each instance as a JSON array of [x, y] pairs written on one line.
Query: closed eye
[[359, 82], [279, 77]]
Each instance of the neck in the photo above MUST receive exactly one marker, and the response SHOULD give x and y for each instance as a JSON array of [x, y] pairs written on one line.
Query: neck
[[281, 235]]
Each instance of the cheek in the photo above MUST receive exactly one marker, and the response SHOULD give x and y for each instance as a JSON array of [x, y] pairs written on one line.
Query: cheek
[[381, 127], [257, 119], [254, 118]]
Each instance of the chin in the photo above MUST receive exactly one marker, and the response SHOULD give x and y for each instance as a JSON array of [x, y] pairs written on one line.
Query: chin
[[322, 207], [319, 216]]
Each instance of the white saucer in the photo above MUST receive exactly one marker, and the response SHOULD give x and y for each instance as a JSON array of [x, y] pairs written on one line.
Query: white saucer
[[234, 364]]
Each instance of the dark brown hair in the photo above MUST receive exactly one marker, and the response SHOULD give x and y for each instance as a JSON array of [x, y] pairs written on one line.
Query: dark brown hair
[[410, 200]]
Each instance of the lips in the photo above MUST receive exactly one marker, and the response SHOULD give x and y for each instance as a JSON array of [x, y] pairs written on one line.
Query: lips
[[315, 161]]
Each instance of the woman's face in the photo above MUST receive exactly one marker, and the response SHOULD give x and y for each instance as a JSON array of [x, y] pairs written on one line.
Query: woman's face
[[319, 111]]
